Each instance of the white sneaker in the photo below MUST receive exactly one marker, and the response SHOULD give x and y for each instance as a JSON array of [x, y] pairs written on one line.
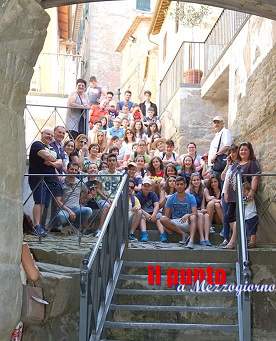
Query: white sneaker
[[190, 245], [97, 233], [212, 229]]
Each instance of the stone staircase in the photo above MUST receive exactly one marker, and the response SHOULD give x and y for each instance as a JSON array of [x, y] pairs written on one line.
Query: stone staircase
[[141, 312]]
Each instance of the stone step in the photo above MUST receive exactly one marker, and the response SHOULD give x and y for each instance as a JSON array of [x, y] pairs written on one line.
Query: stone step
[[227, 328], [166, 297], [154, 235], [160, 252], [140, 331], [60, 250], [172, 314], [141, 279]]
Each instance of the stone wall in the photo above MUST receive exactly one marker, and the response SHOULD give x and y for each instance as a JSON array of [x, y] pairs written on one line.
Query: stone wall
[[256, 122], [188, 118], [23, 26]]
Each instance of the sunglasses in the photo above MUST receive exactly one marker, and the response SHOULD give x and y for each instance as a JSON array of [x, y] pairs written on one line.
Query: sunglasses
[[84, 142]]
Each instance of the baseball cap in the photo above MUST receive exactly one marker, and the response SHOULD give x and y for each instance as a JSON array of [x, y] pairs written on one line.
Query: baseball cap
[[218, 118], [147, 181]]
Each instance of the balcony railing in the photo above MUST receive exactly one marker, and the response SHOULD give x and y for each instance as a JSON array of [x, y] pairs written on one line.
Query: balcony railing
[[193, 57], [55, 73]]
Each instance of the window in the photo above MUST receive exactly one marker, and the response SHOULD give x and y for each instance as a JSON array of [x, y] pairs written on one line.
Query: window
[[143, 5]]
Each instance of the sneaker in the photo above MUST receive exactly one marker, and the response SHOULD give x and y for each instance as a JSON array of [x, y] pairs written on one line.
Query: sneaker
[[97, 233], [202, 243], [144, 237], [185, 239], [163, 237], [208, 243], [190, 245], [132, 238], [87, 232], [212, 229], [40, 231], [224, 243]]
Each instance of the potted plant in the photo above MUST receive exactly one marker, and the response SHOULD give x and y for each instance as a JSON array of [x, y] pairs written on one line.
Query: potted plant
[[190, 15]]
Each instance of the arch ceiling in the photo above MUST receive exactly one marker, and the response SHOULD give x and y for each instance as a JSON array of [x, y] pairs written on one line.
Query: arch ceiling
[[263, 8]]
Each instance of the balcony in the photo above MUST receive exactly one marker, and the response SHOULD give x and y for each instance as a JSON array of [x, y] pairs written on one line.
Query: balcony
[[55, 74], [200, 56]]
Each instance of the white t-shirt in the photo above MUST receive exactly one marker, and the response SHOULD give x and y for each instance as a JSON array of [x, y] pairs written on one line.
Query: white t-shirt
[[226, 140]]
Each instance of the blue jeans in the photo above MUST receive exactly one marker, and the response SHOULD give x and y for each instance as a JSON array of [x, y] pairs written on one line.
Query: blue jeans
[[226, 225], [82, 215]]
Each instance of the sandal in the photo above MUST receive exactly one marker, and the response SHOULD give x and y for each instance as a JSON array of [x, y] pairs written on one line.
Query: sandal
[[229, 246]]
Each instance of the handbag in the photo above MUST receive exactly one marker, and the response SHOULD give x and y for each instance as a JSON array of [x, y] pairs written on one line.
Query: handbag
[[220, 161], [33, 305], [28, 264]]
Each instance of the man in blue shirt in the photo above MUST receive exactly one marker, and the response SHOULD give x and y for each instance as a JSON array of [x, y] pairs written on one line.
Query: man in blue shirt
[[126, 101], [150, 206], [181, 212], [116, 130]]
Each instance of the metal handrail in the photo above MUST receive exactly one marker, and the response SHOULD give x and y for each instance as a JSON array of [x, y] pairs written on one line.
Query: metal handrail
[[100, 272], [243, 264], [243, 271]]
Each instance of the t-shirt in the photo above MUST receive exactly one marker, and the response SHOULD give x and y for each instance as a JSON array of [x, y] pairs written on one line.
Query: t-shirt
[[110, 183], [251, 167], [147, 202], [180, 207], [226, 140], [122, 103], [36, 163], [120, 132], [94, 94], [134, 201], [198, 199], [72, 191]]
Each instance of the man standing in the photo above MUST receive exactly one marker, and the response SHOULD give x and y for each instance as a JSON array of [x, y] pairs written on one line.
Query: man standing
[[220, 144], [144, 106], [57, 144], [180, 212], [43, 160], [126, 101]]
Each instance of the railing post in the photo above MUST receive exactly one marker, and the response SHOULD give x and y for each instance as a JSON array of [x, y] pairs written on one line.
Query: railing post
[[83, 327], [244, 275]]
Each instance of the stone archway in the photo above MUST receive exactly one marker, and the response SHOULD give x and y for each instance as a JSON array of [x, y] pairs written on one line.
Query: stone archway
[[263, 8], [23, 25]]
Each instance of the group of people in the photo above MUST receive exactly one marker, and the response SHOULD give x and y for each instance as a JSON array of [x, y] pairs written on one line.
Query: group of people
[[184, 194]]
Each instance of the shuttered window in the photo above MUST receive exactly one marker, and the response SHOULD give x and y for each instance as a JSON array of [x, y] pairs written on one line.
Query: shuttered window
[[143, 5]]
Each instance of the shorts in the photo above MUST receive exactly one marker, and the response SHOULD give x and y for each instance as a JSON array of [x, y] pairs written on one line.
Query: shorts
[[158, 215], [43, 191], [251, 225], [231, 212], [185, 227]]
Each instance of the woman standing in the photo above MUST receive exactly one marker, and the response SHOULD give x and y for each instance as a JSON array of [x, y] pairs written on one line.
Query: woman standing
[[76, 117], [246, 164], [127, 144]]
